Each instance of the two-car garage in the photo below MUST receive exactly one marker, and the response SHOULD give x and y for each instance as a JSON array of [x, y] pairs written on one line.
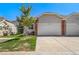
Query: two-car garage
[[53, 24]]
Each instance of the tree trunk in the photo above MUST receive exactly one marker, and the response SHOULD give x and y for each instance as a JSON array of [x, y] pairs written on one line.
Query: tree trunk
[[25, 32]]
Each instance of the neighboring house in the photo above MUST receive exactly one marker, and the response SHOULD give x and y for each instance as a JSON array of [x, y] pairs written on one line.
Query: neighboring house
[[54, 24], [7, 28], [19, 28], [31, 29]]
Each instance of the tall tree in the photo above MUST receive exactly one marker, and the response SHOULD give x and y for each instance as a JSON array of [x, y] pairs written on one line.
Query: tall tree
[[25, 19]]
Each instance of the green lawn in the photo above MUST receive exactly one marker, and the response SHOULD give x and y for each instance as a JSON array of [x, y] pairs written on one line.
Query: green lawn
[[19, 43]]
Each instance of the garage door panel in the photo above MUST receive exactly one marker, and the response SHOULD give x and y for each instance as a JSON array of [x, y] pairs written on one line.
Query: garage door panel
[[49, 28], [72, 29]]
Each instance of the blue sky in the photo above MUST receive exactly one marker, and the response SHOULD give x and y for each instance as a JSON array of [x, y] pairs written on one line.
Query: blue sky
[[60, 8], [11, 10]]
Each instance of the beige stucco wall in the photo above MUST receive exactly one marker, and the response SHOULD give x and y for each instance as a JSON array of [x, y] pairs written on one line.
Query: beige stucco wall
[[49, 18]]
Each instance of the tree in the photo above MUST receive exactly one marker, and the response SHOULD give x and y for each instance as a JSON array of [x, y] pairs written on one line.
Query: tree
[[20, 27], [25, 19]]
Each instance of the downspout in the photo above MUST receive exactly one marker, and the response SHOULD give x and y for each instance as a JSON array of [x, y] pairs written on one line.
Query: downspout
[[36, 27]]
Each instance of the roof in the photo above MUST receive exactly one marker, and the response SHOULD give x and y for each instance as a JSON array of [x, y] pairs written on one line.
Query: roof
[[15, 23], [73, 14], [60, 16], [50, 13]]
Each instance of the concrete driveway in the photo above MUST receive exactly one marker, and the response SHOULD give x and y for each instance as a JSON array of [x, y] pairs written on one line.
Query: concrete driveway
[[57, 45]]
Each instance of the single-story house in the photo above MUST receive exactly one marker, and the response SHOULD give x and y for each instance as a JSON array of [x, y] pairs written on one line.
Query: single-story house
[[6, 27], [55, 24]]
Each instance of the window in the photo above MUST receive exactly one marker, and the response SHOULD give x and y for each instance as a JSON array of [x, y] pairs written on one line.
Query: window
[[0, 27]]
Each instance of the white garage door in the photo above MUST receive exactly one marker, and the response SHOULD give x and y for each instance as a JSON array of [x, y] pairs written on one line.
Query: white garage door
[[72, 28], [49, 29]]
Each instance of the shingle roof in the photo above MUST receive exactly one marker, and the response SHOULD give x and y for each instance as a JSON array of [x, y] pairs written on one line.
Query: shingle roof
[[49, 13]]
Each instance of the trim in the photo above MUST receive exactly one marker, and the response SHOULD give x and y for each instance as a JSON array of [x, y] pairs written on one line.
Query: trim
[[63, 27], [36, 26]]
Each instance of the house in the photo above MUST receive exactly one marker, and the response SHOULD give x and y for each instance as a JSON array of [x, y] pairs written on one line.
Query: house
[[55, 24], [27, 31], [6, 27]]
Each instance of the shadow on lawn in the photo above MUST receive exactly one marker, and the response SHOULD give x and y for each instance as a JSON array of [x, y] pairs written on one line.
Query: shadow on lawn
[[19, 43]]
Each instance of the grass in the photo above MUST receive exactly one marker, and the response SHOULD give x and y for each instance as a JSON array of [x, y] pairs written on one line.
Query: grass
[[32, 42], [19, 43]]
